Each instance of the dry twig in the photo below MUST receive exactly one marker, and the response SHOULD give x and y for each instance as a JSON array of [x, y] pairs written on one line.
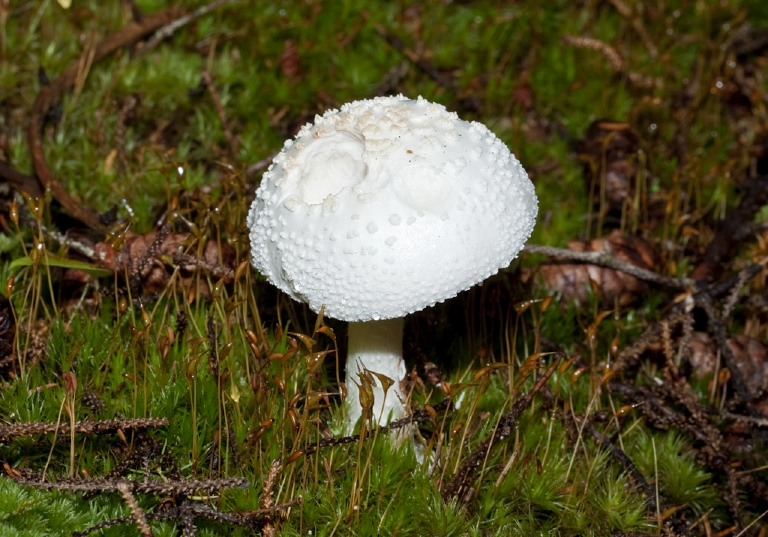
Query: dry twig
[[51, 94], [637, 25], [136, 511], [267, 499], [164, 23], [731, 233], [188, 510], [674, 522], [187, 487], [216, 98], [20, 181], [505, 428], [605, 259], [259, 166], [614, 58], [472, 103], [417, 416], [7, 432], [172, 26]]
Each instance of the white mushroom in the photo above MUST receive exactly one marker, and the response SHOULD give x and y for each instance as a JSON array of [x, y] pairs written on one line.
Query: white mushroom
[[382, 208]]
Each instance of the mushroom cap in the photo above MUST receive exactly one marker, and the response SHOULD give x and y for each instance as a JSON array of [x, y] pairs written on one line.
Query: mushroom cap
[[387, 206]]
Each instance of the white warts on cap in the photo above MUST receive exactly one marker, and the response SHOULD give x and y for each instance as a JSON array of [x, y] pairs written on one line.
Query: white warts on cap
[[415, 204]]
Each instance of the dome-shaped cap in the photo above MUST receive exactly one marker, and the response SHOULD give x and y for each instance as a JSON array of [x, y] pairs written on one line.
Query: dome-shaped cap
[[387, 206]]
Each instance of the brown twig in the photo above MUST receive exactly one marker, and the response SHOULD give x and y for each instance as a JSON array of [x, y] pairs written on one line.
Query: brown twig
[[187, 510], [396, 43], [179, 331], [614, 58], [186, 487], [136, 512], [504, 429], [51, 94], [637, 25], [147, 450], [216, 98], [213, 353], [394, 76], [759, 422], [259, 166], [718, 329], [628, 357], [417, 416], [173, 25], [680, 312], [137, 274], [605, 259], [726, 241], [472, 103], [7, 432], [234, 450], [267, 497], [674, 522], [720, 288], [650, 400], [20, 181], [7, 334], [217, 271]]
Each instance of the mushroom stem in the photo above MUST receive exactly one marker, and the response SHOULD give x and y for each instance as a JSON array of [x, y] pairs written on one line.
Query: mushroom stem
[[378, 347]]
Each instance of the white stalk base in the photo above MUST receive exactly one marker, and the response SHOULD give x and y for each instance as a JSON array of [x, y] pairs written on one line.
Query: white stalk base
[[378, 347]]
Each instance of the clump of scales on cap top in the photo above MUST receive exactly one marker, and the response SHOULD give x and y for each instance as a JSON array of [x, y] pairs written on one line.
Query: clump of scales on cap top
[[382, 208]]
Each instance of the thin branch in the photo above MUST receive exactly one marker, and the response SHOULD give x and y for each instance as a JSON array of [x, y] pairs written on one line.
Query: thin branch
[[614, 58], [136, 511], [20, 181], [267, 497], [505, 429], [177, 23], [718, 328], [759, 421], [7, 432], [217, 271], [396, 43], [186, 487], [51, 94], [259, 166], [137, 274], [220, 111], [417, 416], [732, 230], [605, 259], [637, 25], [674, 522], [189, 510]]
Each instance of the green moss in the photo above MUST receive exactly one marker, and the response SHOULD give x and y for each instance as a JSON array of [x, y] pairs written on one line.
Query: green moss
[[172, 144], [678, 478]]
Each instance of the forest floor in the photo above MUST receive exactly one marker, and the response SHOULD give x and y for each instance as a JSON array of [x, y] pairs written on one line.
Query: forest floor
[[614, 379]]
